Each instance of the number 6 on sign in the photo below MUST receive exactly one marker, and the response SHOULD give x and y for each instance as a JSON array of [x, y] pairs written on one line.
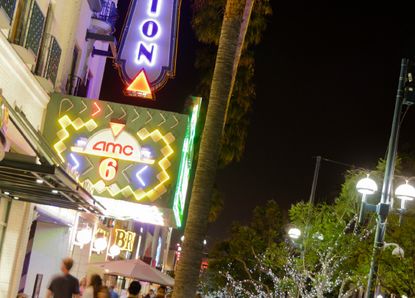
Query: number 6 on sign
[[108, 169]]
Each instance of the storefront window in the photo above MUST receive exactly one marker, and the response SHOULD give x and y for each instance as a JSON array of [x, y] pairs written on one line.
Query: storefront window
[[4, 215]]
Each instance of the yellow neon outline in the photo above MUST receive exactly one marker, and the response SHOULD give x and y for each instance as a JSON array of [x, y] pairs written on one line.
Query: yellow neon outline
[[63, 134]]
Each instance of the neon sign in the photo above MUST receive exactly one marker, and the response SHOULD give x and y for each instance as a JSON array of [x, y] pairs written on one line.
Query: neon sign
[[126, 156], [124, 239], [147, 53], [186, 165]]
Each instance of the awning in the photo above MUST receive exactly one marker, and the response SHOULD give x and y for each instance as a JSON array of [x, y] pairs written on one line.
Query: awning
[[135, 269], [43, 184], [41, 178]]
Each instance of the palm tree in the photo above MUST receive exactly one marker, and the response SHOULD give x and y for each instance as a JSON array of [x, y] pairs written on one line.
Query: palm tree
[[232, 37]]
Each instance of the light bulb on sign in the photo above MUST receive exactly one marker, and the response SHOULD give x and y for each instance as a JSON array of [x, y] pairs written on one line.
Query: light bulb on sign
[[115, 250], [100, 244], [84, 236]]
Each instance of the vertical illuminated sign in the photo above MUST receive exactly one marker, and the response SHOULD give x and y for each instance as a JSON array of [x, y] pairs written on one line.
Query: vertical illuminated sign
[[186, 163], [147, 53]]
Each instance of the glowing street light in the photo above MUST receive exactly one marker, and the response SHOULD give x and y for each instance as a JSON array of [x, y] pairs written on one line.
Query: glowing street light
[[294, 233], [367, 186], [405, 192]]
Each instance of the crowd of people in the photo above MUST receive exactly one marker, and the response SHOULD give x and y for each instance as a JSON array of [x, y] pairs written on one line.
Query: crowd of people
[[68, 286]]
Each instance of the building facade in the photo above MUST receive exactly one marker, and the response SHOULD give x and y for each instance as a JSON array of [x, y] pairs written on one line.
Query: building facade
[[45, 46]]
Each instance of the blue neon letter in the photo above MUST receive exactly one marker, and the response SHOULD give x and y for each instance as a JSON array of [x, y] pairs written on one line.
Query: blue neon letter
[[148, 54], [153, 7], [150, 29]]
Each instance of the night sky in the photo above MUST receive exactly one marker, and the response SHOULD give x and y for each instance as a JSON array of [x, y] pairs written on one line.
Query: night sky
[[326, 80]]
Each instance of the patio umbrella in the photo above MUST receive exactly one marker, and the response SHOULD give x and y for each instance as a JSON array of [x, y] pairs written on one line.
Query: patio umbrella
[[135, 269]]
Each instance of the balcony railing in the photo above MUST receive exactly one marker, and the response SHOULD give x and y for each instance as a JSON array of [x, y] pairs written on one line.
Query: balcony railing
[[49, 58], [73, 84], [8, 6], [108, 14]]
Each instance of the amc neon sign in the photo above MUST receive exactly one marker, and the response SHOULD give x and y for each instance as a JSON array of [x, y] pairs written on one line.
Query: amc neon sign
[[147, 53]]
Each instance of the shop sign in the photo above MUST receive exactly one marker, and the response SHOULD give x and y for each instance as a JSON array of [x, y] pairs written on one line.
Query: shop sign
[[134, 160], [124, 239], [147, 52]]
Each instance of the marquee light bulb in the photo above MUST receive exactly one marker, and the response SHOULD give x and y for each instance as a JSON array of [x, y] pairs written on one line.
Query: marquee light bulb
[[100, 244], [84, 236], [115, 250]]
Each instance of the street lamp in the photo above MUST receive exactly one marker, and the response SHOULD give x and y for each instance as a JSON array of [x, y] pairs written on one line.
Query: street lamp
[[294, 233], [404, 95], [405, 192], [365, 186]]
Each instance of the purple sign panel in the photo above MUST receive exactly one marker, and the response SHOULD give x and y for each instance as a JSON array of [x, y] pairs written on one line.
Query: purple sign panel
[[149, 41]]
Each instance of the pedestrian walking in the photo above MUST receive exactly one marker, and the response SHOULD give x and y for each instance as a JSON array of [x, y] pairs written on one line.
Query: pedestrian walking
[[82, 286], [150, 294], [65, 285], [94, 287], [103, 292], [161, 292], [113, 293], [134, 289]]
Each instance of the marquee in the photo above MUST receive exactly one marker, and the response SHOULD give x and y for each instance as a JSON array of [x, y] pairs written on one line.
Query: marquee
[[135, 161]]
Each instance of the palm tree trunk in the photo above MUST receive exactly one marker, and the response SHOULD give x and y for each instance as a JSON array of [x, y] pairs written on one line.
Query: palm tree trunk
[[234, 27]]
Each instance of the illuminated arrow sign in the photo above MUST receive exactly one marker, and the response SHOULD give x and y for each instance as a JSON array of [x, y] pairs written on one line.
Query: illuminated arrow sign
[[148, 45]]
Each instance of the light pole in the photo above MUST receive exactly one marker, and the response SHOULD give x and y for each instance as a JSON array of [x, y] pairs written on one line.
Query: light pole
[[382, 209], [366, 186]]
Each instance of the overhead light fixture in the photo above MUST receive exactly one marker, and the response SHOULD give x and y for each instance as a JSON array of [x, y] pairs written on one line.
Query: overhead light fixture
[[54, 191], [100, 244], [16, 198], [84, 236], [115, 250], [39, 181], [6, 193]]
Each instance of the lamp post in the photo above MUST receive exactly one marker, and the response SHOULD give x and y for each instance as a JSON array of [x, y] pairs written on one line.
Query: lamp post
[[382, 209], [404, 192]]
